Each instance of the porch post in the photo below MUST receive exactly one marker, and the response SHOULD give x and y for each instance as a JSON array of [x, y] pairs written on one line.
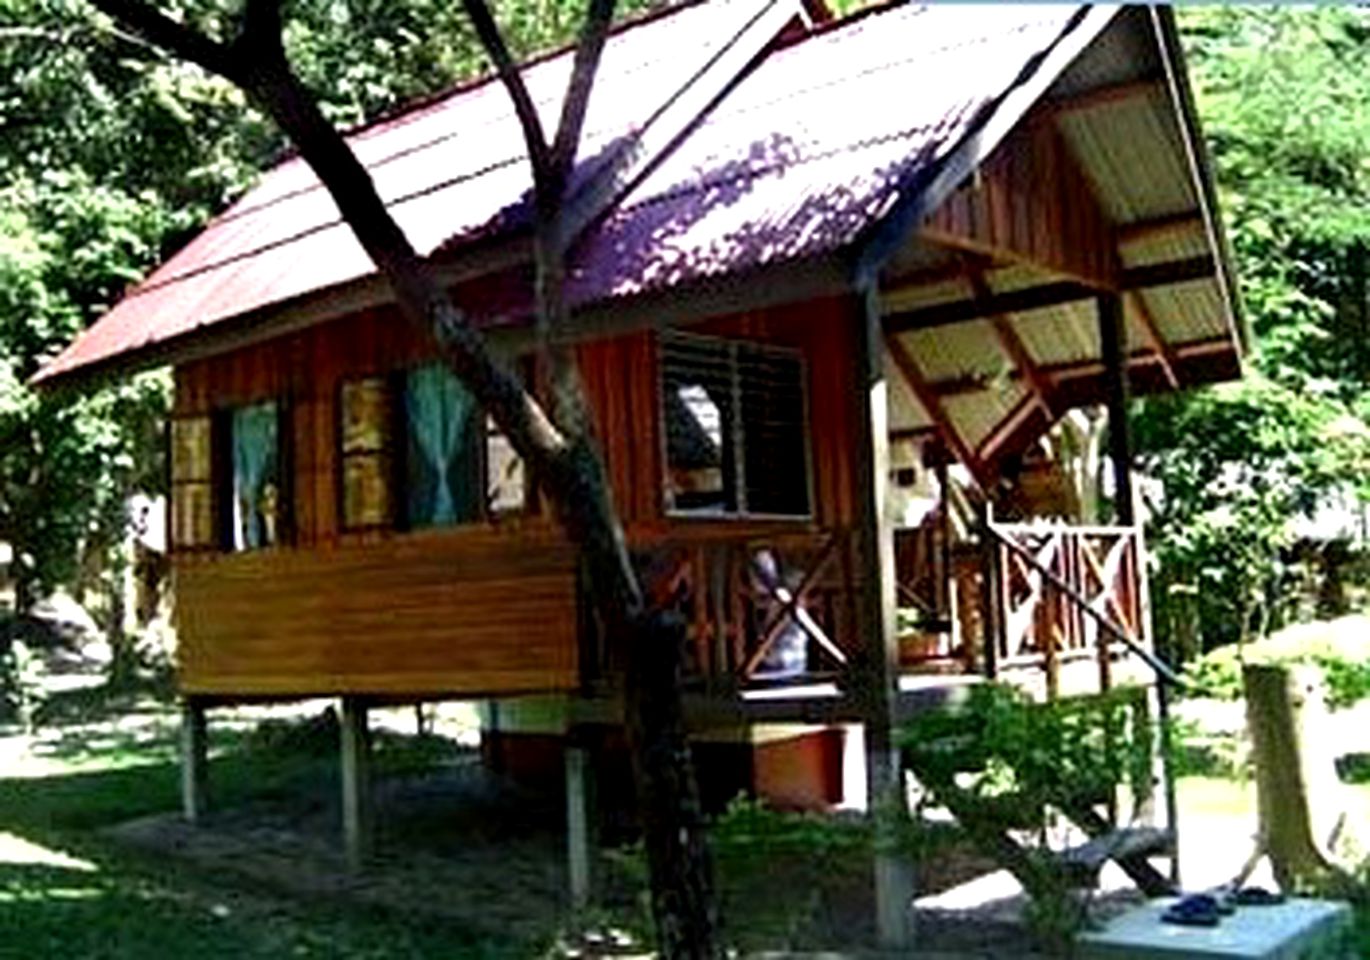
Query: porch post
[[579, 826], [876, 607], [1113, 347], [355, 756], [194, 759]]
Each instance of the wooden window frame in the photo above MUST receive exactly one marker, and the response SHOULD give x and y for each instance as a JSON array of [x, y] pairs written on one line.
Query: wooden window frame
[[210, 542], [391, 384], [737, 435], [221, 440]]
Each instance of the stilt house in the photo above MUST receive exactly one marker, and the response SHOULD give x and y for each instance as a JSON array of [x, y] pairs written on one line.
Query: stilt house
[[847, 256]]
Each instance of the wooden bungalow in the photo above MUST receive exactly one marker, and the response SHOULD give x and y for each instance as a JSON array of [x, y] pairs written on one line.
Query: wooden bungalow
[[848, 253]]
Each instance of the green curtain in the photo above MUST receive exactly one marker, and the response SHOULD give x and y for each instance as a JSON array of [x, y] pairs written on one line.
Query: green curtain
[[254, 475], [442, 418]]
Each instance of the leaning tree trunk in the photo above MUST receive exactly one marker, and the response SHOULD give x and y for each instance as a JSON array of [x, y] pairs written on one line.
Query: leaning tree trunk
[[1296, 781]]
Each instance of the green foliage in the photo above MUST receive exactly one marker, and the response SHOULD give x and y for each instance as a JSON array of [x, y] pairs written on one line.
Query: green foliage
[[1280, 93], [1026, 757], [1002, 764], [1340, 648], [1240, 464]]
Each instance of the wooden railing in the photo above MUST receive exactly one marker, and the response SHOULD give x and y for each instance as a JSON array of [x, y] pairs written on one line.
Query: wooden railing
[[1061, 594], [760, 609]]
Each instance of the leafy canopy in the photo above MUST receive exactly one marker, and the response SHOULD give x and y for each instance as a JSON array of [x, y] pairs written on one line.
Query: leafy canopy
[[1281, 94]]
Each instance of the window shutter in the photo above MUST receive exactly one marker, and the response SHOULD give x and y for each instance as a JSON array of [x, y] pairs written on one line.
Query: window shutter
[[774, 431], [736, 425]]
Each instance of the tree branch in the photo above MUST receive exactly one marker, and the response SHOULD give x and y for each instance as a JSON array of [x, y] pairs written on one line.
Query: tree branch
[[492, 40], [588, 50], [168, 34]]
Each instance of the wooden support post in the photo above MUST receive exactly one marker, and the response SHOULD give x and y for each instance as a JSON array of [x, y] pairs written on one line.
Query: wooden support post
[[992, 609], [579, 825], [1111, 337], [355, 743], [877, 620], [194, 760]]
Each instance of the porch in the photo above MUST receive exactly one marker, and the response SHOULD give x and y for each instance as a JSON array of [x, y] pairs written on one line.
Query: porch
[[773, 621]]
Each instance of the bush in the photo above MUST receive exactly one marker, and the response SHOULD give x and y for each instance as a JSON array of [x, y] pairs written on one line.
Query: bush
[[1340, 648]]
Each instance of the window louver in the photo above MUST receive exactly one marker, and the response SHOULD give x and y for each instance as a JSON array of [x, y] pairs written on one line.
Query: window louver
[[735, 416]]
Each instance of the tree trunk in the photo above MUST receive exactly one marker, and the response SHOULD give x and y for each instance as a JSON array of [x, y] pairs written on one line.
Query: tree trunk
[[683, 905], [558, 450], [1297, 790]]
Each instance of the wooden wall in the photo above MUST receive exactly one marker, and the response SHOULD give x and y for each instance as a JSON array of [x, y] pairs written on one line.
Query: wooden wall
[[1031, 202], [477, 609]]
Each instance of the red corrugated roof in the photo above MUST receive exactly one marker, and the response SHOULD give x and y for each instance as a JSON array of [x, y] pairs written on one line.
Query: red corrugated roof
[[804, 154]]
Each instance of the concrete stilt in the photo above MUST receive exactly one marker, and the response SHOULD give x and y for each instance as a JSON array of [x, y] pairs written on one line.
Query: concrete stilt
[[579, 828], [355, 743], [194, 760]]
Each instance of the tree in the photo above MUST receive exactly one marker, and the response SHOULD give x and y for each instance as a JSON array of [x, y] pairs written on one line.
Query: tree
[[558, 445], [1280, 93]]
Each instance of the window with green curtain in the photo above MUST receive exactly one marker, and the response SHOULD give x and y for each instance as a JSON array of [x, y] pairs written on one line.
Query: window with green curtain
[[443, 481], [258, 498]]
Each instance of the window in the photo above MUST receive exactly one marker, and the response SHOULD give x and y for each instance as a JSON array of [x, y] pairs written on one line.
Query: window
[[257, 494], [192, 483], [506, 483], [735, 415], [367, 453], [442, 460], [415, 451]]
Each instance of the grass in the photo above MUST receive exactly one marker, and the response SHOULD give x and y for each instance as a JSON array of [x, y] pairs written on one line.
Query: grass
[[67, 891]]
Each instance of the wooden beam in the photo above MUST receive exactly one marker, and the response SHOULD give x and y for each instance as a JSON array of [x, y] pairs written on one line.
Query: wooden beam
[[1155, 227], [1046, 295], [877, 616], [1164, 274], [964, 311], [912, 433], [1107, 95], [1013, 345], [937, 413], [1116, 393], [1074, 369], [1158, 342], [989, 446]]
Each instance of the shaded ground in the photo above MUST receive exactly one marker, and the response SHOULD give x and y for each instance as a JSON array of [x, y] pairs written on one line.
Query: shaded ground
[[94, 861], [452, 844]]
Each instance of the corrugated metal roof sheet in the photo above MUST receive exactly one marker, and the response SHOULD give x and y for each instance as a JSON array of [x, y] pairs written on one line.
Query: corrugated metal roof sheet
[[796, 160], [451, 168], [815, 145]]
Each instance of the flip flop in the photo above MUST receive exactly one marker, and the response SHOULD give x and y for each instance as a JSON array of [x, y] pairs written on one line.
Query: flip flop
[[1195, 910], [1257, 897]]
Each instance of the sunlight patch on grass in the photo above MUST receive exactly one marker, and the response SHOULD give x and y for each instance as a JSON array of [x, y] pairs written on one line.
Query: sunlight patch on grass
[[51, 893], [17, 850]]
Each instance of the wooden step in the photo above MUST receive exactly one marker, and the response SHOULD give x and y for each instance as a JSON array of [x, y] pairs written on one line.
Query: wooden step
[[1083, 863]]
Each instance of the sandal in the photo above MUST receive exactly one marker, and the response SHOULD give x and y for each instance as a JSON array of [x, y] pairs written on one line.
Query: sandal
[[1257, 897], [1195, 910]]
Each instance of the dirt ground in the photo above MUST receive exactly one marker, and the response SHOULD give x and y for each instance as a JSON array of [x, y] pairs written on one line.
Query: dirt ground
[[461, 844]]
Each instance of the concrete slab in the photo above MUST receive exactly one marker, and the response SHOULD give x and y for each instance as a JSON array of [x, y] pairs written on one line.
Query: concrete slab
[[1297, 929]]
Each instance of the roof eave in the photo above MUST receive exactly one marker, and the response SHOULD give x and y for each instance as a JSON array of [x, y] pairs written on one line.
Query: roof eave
[[878, 243], [469, 263], [1182, 94]]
